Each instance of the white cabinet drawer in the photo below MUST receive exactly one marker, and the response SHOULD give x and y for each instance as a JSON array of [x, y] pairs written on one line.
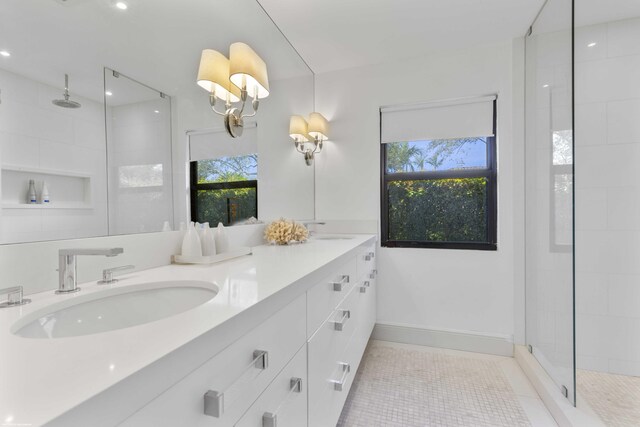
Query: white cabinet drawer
[[236, 373], [284, 402], [327, 370], [365, 261], [366, 304], [326, 295]]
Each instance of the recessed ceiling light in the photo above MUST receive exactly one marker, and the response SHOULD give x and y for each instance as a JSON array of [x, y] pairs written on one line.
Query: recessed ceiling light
[[156, 111], [545, 85], [121, 5], [108, 93], [5, 53], [592, 44]]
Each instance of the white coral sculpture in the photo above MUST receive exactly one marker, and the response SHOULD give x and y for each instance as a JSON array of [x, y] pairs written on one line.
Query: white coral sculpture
[[284, 231]]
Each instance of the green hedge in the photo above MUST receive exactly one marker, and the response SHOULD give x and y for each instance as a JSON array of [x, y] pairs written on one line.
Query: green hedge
[[443, 210]]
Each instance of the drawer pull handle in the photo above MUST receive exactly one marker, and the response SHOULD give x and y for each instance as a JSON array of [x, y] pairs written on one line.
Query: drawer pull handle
[[373, 274], [365, 285], [214, 400], [338, 385], [367, 257], [372, 254], [270, 419], [339, 325], [337, 286]]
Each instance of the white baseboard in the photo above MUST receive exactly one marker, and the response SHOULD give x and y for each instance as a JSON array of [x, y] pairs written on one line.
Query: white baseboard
[[456, 340], [565, 414]]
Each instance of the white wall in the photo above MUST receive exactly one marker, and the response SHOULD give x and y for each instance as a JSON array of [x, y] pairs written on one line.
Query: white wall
[[608, 197], [460, 290], [35, 133]]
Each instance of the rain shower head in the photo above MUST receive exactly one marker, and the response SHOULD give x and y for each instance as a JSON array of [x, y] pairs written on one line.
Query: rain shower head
[[66, 102]]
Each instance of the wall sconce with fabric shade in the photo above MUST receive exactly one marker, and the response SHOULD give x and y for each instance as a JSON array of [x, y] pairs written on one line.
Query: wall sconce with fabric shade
[[233, 80], [213, 76], [308, 137], [248, 70]]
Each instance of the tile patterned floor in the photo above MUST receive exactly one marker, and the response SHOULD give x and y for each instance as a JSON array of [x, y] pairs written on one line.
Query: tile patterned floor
[[403, 385], [614, 398]]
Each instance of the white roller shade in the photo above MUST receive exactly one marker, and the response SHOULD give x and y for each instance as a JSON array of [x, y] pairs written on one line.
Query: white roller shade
[[438, 120], [216, 143]]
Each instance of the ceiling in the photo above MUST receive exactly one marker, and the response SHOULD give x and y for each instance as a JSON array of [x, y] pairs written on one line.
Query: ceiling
[[338, 34], [157, 42]]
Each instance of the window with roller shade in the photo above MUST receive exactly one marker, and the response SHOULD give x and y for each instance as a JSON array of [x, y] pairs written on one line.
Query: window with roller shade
[[223, 176], [438, 170]]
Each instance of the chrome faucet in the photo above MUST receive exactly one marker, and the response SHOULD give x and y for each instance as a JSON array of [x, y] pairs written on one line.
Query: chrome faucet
[[67, 266], [305, 223], [308, 223]]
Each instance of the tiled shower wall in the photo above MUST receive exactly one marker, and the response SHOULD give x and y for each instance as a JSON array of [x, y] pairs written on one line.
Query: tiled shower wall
[[607, 182], [35, 133]]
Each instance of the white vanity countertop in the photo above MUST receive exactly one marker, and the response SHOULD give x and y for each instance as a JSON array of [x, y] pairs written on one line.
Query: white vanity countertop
[[40, 379]]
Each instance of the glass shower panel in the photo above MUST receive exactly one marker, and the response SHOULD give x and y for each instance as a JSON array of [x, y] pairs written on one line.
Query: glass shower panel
[[138, 123], [607, 233], [549, 193]]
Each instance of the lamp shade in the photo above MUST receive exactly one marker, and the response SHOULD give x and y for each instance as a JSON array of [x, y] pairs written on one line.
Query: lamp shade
[[298, 129], [248, 70], [213, 75], [318, 126]]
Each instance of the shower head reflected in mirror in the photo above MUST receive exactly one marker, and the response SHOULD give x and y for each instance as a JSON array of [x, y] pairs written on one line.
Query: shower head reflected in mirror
[[66, 102]]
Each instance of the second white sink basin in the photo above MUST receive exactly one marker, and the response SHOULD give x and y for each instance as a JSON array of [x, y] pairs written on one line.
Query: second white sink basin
[[114, 308]]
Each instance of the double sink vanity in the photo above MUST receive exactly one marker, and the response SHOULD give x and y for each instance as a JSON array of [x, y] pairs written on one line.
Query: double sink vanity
[[270, 339]]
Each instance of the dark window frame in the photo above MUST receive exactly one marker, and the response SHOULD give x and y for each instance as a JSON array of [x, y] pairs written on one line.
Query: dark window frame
[[490, 173], [196, 186]]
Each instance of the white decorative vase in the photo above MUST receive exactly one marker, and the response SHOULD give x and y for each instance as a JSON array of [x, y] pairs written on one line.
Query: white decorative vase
[[221, 239], [207, 240], [191, 243]]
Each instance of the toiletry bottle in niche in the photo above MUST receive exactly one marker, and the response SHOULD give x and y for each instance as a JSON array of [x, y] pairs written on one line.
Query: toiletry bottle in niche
[[44, 194], [32, 192]]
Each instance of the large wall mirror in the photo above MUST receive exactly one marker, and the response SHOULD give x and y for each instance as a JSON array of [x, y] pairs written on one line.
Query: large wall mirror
[[133, 146]]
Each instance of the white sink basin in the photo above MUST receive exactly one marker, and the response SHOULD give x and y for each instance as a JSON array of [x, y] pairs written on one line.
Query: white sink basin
[[114, 308], [329, 237]]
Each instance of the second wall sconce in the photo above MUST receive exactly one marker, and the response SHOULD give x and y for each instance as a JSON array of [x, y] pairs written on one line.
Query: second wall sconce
[[233, 80], [308, 137]]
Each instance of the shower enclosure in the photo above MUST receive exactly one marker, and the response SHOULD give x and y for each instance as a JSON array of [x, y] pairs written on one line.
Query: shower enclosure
[[583, 203], [549, 193]]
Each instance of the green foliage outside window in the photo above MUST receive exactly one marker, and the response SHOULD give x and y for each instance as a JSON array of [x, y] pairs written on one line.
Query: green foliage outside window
[[214, 203], [441, 210], [435, 205]]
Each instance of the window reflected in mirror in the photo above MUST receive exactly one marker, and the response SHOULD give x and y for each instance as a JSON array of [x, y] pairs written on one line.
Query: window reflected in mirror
[[224, 190]]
